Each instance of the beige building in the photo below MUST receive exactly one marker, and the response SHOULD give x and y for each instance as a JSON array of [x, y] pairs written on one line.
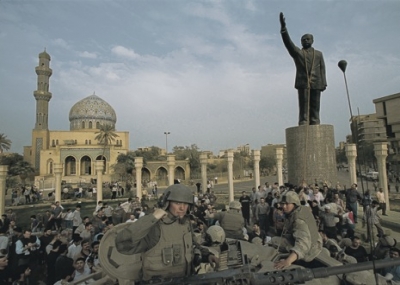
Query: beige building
[[387, 108], [369, 129], [77, 149], [270, 150]]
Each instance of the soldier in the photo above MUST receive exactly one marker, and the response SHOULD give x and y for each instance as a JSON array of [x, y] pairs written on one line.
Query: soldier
[[301, 239], [231, 221], [165, 238]]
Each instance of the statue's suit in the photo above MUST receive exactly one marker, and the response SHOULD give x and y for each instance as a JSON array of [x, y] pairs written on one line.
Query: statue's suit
[[314, 61]]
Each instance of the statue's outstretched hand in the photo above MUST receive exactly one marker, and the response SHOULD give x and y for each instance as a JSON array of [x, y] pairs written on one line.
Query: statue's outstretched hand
[[282, 20]]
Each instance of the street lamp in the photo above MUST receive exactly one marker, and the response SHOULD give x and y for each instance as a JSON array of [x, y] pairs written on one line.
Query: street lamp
[[166, 141]]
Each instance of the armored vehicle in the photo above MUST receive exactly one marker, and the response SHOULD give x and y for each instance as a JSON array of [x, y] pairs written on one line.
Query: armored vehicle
[[242, 262]]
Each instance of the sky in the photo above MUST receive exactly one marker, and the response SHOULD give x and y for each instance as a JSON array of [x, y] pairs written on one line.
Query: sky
[[212, 73]]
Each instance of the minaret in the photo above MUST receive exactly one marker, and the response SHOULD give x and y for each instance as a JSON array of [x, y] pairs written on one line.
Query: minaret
[[40, 134], [42, 94]]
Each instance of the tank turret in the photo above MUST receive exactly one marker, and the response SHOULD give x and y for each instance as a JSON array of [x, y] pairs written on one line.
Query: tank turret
[[247, 263]]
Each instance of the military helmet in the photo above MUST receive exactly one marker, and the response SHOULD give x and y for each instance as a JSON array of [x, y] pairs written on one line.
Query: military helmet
[[216, 233], [388, 241], [235, 205], [291, 197], [179, 193]]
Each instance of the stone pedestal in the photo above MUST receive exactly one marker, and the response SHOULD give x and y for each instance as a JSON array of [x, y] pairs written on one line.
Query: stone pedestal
[[58, 169], [381, 153], [138, 168], [279, 160], [3, 176], [256, 159], [203, 163], [351, 154], [99, 165], [311, 154], [230, 175], [171, 168]]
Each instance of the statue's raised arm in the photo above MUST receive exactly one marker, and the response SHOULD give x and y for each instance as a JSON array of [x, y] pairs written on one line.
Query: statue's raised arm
[[310, 75], [282, 20]]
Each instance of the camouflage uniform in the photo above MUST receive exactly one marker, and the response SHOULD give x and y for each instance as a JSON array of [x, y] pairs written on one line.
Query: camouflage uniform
[[300, 235], [232, 222], [167, 245]]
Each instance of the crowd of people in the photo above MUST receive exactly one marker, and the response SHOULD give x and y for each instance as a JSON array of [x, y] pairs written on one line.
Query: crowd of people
[[61, 246]]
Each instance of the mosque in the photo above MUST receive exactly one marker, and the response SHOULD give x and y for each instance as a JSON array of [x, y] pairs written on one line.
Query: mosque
[[77, 149]]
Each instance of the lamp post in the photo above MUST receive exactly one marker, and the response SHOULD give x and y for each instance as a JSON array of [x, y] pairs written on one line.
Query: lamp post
[[166, 141]]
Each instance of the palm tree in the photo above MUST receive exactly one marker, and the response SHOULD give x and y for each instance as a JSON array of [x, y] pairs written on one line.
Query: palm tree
[[23, 169], [105, 136], [5, 143]]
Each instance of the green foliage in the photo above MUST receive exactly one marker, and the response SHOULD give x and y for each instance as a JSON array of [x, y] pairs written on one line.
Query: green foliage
[[211, 166], [126, 161], [152, 154], [17, 166], [191, 153], [105, 136], [366, 154], [10, 159], [267, 162], [11, 182], [5, 143]]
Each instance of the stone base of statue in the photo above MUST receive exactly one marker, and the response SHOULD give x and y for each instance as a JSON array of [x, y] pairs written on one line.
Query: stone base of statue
[[311, 155]]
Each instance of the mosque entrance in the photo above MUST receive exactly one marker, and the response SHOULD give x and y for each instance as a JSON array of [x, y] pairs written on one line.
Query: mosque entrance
[[86, 165]]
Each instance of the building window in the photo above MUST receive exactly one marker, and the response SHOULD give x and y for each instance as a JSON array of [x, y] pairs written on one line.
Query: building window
[[97, 125], [53, 143], [56, 142], [83, 124], [85, 141], [90, 141], [90, 125], [50, 167]]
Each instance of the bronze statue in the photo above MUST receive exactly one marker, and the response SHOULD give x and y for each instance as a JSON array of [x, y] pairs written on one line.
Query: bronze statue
[[310, 75]]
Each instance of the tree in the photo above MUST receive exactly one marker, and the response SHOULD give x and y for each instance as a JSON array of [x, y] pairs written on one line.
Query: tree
[[17, 166], [105, 136], [191, 153], [240, 162], [23, 169], [126, 161], [150, 154], [366, 155], [267, 162], [5, 143]]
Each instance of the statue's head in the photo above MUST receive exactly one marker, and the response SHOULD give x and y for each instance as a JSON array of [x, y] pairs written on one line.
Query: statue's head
[[307, 40]]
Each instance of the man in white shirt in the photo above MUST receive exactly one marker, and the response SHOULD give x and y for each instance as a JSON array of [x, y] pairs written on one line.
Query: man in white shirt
[[131, 219], [316, 195], [76, 218], [26, 247], [3, 239], [75, 248], [81, 271], [380, 196]]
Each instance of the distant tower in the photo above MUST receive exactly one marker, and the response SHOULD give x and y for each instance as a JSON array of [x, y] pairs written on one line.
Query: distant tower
[[40, 134], [42, 94]]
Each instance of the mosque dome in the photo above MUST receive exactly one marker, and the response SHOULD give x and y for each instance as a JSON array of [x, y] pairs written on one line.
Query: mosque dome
[[90, 113]]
